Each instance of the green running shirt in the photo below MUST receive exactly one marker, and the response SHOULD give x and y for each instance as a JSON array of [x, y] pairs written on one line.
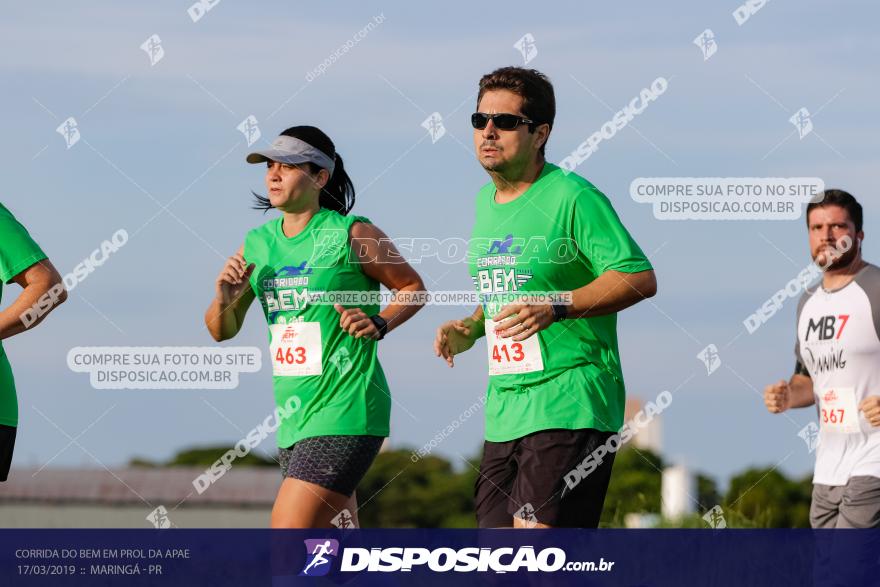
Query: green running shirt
[[18, 251], [559, 235], [337, 378]]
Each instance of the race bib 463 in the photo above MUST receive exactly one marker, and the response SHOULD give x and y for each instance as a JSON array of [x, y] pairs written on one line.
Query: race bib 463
[[296, 349]]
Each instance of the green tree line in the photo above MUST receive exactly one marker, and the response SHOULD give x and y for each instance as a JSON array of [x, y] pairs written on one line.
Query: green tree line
[[403, 491]]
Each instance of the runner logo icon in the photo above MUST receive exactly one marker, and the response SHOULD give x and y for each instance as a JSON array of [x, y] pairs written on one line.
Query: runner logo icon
[[320, 554]]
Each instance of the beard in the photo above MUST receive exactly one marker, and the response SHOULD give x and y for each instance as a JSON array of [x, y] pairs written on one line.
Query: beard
[[844, 260]]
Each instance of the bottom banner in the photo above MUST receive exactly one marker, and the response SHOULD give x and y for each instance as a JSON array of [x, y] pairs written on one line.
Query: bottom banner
[[435, 557]]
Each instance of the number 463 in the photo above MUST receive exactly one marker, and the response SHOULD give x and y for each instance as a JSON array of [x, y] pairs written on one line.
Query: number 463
[[298, 356]]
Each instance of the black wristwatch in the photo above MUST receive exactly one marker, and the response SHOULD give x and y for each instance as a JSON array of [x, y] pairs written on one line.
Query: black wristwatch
[[560, 312], [381, 325]]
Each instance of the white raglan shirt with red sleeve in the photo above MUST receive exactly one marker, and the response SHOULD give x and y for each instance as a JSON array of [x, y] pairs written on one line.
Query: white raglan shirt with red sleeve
[[839, 344]]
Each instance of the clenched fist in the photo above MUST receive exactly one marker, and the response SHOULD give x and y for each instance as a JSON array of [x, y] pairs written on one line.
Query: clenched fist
[[870, 406], [777, 397], [356, 323]]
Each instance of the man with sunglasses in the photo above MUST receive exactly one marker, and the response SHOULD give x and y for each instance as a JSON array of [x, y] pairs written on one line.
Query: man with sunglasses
[[556, 390]]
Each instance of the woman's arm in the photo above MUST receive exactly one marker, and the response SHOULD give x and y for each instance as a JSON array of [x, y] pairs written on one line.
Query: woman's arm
[[381, 260], [233, 297]]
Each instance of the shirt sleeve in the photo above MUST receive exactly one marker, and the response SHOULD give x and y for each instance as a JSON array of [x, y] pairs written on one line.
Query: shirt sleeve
[[601, 238], [18, 251], [869, 281]]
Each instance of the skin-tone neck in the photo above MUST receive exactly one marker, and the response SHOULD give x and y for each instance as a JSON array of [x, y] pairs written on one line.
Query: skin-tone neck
[[295, 222], [513, 183]]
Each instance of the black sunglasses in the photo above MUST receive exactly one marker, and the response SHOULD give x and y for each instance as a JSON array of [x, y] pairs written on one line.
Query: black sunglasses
[[501, 121]]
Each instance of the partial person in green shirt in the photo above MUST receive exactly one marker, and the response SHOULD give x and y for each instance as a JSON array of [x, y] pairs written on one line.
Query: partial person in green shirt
[[23, 262], [333, 401], [556, 390]]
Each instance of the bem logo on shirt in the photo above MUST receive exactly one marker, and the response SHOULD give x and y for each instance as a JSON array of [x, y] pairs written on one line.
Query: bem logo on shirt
[[288, 290], [500, 270], [294, 270], [503, 246]]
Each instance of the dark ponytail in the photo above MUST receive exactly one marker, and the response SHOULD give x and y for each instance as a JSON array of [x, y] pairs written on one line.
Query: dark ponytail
[[338, 194]]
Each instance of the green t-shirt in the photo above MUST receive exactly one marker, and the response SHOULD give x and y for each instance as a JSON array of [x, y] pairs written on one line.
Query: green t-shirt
[[350, 395], [18, 251], [559, 235]]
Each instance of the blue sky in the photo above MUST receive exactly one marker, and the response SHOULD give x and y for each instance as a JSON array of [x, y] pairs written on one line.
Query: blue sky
[[166, 135]]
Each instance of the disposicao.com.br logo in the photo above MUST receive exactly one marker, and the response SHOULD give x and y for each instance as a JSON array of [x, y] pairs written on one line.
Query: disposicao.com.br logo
[[441, 560]]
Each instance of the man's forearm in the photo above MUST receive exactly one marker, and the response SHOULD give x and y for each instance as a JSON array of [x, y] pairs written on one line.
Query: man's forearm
[[10, 321], [801, 391], [14, 319], [611, 292]]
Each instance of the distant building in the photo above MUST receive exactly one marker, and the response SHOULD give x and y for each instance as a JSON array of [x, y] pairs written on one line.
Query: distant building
[[678, 492], [138, 498]]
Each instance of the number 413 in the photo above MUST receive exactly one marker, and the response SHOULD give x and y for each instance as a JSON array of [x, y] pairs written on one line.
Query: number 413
[[514, 354]]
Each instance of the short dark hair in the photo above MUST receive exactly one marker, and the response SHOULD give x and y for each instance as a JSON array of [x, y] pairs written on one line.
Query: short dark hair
[[839, 198], [535, 89]]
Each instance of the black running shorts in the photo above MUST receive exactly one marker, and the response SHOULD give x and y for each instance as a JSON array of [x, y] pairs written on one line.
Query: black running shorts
[[7, 445], [537, 478], [337, 463]]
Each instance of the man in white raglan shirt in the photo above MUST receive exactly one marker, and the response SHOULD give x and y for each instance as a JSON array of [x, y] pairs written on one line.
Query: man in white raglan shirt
[[838, 368]]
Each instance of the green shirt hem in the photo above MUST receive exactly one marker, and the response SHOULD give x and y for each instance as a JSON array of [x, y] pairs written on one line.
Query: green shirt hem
[[19, 267], [633, 268]]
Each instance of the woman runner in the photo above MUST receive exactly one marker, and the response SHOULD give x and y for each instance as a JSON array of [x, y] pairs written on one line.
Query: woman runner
[[332, 397]]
